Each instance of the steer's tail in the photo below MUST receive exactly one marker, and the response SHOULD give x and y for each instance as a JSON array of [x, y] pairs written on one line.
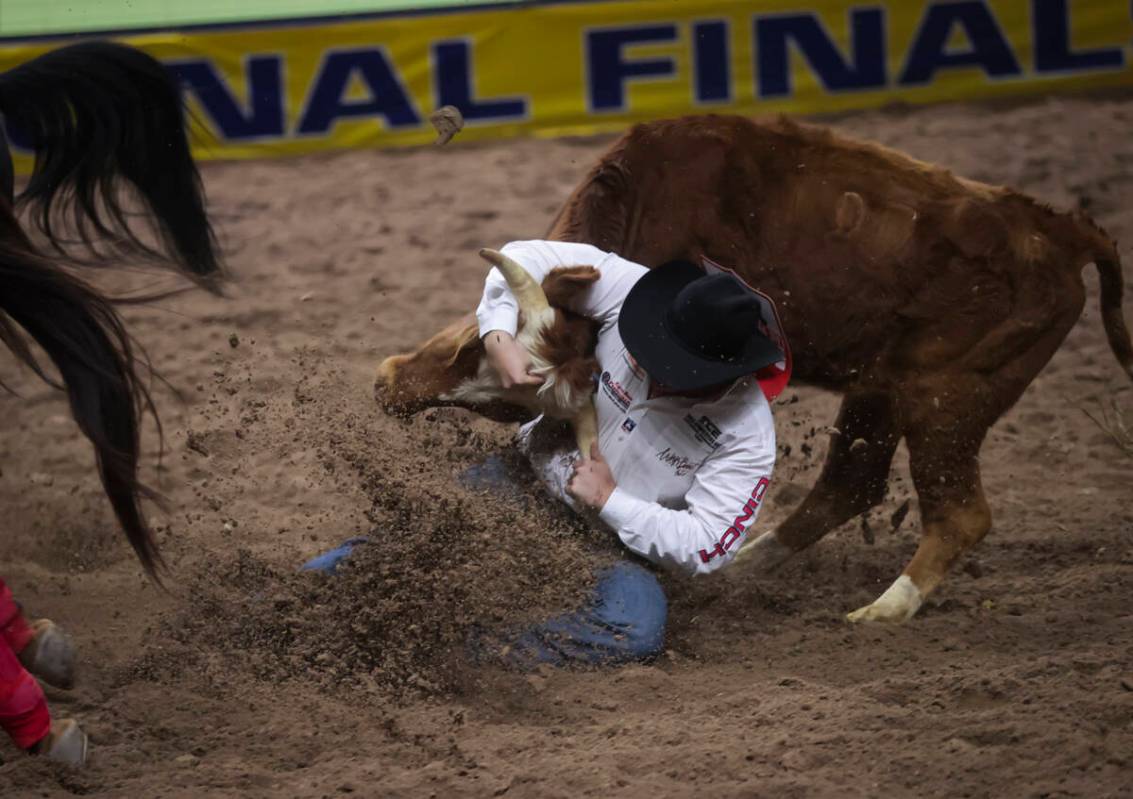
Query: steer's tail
[[83, 336], [98, 115], [1108, 263]]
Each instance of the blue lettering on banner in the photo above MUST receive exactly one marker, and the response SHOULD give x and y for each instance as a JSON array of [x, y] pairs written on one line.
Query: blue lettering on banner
[[711, 62], [263, 75], [988, 48], [864, 70], [608, 69], [327, 104], [1050, 20], [951, 35], [454, 81]]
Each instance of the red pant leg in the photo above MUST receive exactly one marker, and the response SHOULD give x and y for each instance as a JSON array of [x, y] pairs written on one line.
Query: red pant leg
[[13, 627], [23, 708]]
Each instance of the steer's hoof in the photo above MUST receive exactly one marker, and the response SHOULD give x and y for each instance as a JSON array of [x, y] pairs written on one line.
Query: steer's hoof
[[897, 605], [765, 554], [873, 614]]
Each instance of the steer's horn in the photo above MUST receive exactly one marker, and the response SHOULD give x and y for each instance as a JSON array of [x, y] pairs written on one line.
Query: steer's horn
[[528, 293]]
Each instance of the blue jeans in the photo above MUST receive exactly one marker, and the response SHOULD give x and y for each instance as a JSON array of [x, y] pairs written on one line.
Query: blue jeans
[[622, 622]]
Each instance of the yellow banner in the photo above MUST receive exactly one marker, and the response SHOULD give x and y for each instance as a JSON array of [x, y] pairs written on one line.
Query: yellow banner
[[581, 67]]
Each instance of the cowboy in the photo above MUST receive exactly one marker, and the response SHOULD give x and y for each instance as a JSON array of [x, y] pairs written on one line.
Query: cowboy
[[686, 443]]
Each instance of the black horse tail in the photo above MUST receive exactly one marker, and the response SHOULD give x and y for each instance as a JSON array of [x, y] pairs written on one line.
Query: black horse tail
[[96, 113], [83, 336]]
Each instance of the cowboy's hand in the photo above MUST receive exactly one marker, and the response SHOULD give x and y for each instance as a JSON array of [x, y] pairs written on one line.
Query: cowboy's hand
[[510, 360], [592, 482]]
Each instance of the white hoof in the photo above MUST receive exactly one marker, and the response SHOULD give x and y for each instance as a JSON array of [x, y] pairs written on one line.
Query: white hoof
[[897, 605], [766, 553]]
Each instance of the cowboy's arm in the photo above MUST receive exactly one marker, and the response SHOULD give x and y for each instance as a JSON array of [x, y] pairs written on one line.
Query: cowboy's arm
[[601, 301], [722, 506]]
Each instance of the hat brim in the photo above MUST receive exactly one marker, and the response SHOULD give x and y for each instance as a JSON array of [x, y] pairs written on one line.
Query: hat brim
[[645, 332]]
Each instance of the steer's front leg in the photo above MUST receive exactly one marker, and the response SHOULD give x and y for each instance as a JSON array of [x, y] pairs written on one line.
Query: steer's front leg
[[764, 554]]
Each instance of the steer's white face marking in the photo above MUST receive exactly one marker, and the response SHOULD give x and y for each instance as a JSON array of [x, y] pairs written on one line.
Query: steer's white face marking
[[897, 605], [765, 553], [554, 393]]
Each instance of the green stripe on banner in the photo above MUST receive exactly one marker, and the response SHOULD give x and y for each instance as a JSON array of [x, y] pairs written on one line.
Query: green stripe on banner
[[61, 17]]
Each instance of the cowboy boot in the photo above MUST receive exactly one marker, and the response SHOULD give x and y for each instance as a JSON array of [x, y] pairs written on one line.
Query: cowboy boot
[[50, 655], [65, 743]]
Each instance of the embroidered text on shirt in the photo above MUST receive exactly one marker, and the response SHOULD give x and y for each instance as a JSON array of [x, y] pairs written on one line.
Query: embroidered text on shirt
[[705, 430]]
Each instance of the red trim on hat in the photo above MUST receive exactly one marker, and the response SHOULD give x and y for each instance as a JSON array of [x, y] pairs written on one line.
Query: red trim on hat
[[774, 378]]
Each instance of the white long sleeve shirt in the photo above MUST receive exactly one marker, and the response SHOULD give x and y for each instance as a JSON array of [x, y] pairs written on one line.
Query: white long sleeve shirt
[[691, 474]]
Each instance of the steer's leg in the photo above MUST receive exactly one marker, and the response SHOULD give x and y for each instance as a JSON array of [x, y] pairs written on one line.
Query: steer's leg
[[954, 513], [945, 417], [586, 428], [853, 480]]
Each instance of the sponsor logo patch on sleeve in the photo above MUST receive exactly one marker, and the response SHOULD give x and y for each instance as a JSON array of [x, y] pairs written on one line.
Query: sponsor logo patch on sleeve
[[739, 524], [616, 392]]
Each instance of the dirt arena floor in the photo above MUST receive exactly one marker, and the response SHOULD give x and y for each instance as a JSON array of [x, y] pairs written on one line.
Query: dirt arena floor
[[245, 679]]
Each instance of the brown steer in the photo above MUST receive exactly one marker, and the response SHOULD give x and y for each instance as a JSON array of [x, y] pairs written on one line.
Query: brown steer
[[928, 300]]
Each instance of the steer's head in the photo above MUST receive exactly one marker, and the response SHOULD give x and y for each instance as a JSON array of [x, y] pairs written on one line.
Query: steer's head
[[451, 368]]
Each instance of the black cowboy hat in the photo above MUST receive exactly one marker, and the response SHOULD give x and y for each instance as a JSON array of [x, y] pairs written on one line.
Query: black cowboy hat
[[692, 331]]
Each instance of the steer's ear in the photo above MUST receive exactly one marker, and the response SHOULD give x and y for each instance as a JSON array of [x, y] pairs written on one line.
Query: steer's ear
[[565, 283], [575, 379]]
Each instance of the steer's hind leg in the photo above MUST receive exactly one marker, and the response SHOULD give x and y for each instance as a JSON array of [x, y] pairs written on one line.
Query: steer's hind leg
[[946, 417], [954, 514], [853, 480]]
